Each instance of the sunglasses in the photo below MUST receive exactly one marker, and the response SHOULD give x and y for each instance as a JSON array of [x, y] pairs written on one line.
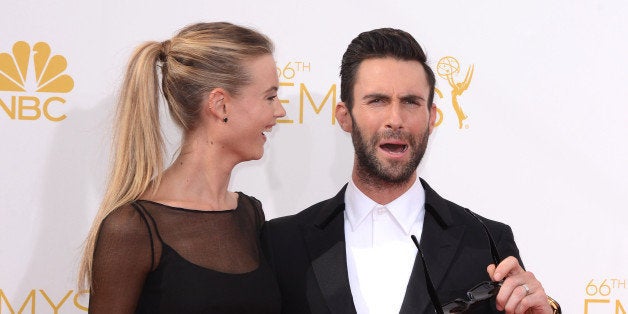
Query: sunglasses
[[480, 292]]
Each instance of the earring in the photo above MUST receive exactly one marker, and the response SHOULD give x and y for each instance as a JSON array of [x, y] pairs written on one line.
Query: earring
[[225, 120]]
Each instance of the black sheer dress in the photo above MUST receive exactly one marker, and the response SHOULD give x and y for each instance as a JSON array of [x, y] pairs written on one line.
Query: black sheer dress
[[153, 258]]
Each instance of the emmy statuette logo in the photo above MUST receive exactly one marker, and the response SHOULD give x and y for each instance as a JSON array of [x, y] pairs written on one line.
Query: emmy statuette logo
[[448, 68]]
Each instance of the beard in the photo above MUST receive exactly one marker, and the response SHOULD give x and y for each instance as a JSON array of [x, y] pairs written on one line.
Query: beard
[[382, 172]]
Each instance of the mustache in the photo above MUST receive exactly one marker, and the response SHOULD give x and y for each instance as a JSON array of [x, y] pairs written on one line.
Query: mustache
[[392, 135]]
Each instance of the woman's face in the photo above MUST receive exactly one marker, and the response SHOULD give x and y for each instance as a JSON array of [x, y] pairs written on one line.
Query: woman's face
[[254, 111]]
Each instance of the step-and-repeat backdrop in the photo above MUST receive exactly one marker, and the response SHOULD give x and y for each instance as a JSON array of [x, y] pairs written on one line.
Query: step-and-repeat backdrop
[[537, 138]]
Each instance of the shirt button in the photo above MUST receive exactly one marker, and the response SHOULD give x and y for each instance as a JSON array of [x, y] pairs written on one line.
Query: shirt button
[[381, 210]]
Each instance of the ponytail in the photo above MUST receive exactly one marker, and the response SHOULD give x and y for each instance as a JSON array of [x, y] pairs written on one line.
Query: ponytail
[[137, 144]]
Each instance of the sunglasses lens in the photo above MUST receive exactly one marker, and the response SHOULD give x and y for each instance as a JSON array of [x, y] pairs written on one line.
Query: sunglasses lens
[[456, 306], [483, 291]]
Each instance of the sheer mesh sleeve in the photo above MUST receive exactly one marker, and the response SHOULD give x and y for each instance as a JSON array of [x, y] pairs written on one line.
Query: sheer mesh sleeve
[[155, 258], [259, 212], [123, 256]]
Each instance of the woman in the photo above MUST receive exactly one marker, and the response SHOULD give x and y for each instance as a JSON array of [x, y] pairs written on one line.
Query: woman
[[177, 241]]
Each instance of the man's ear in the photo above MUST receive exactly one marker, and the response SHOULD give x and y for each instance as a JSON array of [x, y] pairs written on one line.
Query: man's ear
[[433, 116], [343, 116]]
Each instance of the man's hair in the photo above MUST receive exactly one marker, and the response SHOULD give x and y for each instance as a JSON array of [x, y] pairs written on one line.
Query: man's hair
[[380, 43]]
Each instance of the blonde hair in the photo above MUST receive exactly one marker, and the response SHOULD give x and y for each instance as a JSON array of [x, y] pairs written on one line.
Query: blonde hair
[[200, 58]]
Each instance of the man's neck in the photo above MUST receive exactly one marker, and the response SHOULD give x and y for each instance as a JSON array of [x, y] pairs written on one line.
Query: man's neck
[[382, 192]]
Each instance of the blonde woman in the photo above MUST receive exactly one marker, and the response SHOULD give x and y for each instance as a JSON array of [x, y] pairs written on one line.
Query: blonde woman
[[176, 240]]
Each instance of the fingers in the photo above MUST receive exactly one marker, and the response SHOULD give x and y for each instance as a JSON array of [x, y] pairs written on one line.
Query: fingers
[[508, 267], [520, 290], [490, 269], [513, 302]]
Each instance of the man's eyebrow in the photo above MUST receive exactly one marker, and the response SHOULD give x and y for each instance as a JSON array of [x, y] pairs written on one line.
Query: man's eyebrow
[[412, 98], [271, 89], [376, 96]]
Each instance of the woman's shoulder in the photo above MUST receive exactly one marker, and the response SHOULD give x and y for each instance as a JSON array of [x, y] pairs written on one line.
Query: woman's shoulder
[[249, 199], [125, 233], [124, 221]]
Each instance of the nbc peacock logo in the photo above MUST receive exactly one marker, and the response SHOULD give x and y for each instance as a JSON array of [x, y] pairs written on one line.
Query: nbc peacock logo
[[28, 70]]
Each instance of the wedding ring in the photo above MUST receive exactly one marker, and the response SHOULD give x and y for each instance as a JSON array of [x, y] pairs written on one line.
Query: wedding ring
[[527, 289]]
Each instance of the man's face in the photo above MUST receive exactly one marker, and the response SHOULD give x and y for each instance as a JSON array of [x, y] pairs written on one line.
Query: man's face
[[390, 121]]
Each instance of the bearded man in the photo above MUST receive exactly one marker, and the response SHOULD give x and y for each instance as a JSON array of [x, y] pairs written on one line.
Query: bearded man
[[353, 253]]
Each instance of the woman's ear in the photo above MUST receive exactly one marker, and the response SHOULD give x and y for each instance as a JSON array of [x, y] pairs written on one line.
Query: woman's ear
[[214, 105]]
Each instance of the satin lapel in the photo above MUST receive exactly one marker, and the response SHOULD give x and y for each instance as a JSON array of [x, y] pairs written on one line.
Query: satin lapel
[[439, 241], [439, 247], [417, 298], [326, 246]]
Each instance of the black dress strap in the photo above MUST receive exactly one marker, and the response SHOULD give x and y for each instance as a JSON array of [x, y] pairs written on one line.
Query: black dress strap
[[143, 213]]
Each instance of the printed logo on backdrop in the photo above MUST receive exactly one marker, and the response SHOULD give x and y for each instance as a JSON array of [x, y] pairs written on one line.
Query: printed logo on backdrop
[[31, 81], [448, 68], [294, 74], [55, 301], [606, 296]]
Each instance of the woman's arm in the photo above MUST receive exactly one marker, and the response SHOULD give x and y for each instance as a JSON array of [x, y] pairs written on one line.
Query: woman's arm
[[122, 258]]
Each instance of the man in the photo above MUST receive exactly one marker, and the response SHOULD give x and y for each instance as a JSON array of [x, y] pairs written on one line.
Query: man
[[353, 252]]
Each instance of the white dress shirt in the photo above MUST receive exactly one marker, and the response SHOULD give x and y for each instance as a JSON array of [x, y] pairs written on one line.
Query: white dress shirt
[[380, 253]]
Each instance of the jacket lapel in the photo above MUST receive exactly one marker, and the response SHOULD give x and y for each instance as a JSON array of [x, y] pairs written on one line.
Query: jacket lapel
[[439, 242], [326, 245]]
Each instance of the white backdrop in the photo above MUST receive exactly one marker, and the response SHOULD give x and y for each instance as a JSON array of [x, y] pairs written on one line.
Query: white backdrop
[[543, 148]]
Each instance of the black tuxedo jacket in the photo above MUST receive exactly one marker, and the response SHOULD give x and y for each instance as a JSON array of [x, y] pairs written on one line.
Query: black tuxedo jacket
[[307, 252]]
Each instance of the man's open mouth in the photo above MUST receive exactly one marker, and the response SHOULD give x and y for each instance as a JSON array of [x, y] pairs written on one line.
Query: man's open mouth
[[394, 148]]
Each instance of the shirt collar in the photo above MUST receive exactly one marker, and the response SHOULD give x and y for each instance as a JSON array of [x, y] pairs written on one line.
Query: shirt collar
[[357, 205], [405, 209]]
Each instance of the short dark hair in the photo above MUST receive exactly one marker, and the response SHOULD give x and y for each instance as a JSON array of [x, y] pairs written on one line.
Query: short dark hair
[[380, 43]]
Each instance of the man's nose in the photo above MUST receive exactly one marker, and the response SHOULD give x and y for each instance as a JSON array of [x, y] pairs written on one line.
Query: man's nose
[[395, 116]]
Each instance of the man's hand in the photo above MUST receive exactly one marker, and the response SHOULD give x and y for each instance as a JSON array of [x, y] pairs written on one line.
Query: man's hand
[[521, 292]]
